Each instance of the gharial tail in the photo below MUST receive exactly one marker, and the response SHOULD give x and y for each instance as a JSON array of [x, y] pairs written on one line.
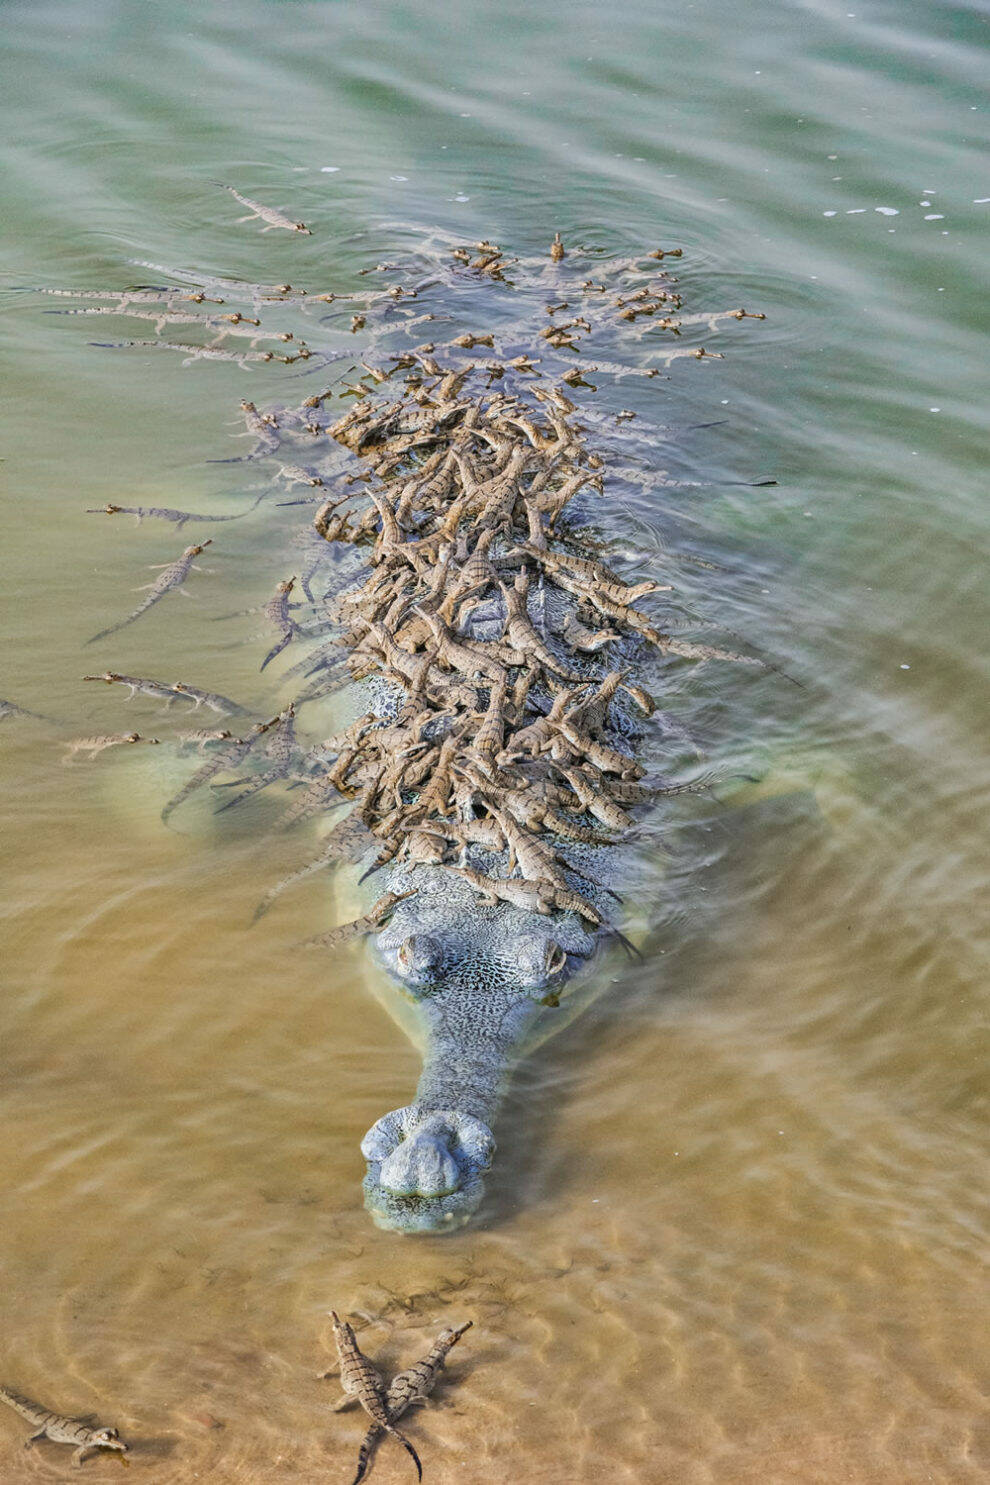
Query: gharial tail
[[364, 1453], [407, 1446]]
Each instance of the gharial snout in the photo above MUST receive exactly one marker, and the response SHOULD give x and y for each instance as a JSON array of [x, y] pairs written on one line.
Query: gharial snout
[[425, 1167]]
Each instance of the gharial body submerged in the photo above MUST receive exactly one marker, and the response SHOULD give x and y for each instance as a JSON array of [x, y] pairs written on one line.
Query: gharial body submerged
[[504, 674]]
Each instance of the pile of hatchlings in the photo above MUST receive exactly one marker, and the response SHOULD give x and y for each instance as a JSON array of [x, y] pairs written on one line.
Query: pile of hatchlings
[[505, 742], [498, 646]]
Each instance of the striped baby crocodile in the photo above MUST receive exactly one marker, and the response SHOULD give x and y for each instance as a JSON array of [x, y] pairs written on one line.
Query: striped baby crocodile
[[407, 1389], [362, 1381], [63, 1430]]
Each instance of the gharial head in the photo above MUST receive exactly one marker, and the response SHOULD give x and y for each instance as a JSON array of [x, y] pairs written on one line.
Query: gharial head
[[108, 1438], [479, 977]]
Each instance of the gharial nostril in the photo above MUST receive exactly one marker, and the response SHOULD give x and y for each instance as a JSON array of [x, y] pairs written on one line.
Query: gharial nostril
[[383, 1136], [421, 1166]]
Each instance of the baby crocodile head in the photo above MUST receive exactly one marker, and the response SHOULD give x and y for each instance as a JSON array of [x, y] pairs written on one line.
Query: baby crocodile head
[[479, 977], [108, 1438]]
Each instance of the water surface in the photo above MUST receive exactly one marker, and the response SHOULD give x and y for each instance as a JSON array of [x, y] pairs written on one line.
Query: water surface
[[736, 1228]]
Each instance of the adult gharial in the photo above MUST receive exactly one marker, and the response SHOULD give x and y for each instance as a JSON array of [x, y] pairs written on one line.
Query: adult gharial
[[494, 676]]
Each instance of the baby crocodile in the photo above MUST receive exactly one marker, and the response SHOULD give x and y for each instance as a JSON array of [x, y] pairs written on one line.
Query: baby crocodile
[[370, 922], [157, 512], [8, 709], [172, 576], [94, 745], [276, 611], [363, 1381], [62, 1430], [266, 213], [137, 683], [163, 691], [406, 1389]]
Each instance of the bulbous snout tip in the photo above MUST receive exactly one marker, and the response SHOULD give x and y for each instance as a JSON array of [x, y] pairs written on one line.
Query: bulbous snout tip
[[425, 1168]]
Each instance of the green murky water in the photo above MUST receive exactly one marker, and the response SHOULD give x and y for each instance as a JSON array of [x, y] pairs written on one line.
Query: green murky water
[[736, 1229]]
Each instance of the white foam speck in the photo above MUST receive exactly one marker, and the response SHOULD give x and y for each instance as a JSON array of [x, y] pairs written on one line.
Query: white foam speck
[[934, 216], [924, 203], [855, 211], [829, 213], [905, 667], [398, 177], [461, 197], [934, 409], [980, 200], [329, 169], [887, 211]]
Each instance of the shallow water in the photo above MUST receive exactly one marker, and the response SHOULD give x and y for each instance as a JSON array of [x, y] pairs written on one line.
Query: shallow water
[[736, 1226]]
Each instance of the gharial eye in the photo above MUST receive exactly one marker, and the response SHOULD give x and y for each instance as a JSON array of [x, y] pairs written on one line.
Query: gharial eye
[[418, 956], [538, 961]]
